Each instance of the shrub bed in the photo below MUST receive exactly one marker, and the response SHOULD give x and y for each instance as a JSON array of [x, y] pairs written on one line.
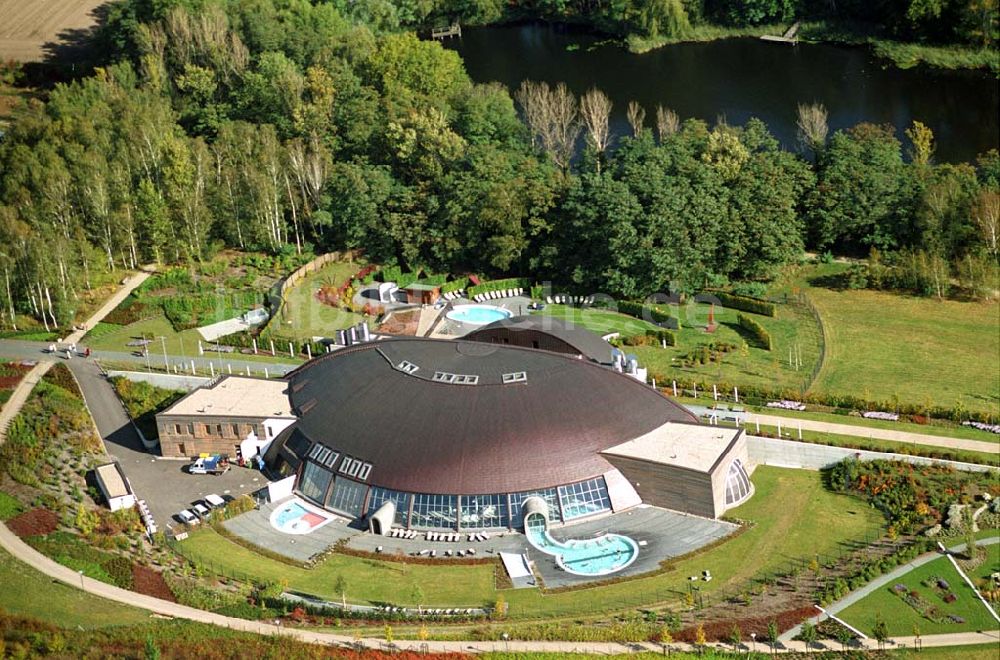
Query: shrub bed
[[151, 583], [721, 631], [36, 522], [757, 332]]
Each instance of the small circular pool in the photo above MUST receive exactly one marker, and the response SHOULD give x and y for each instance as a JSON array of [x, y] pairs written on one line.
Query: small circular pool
[[478, 314]]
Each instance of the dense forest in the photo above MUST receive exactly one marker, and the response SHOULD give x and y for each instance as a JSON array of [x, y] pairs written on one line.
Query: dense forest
[[290, 125]]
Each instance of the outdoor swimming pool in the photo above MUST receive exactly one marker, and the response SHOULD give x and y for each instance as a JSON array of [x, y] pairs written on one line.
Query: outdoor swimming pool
[[598, 556], [294, 518], [478, 314]]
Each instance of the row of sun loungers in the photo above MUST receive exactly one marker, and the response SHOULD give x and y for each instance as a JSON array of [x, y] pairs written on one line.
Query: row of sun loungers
[[398, 533], [496, 295], [569, 300], [446, 553], [453, 295], [446, 537]]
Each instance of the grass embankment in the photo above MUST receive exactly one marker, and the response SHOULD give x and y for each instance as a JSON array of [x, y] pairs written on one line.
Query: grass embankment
[[368, 580], [794, 516], [304, 317], [29, 593], [599, 321], [901, 617], [926, 351], [905, 55]]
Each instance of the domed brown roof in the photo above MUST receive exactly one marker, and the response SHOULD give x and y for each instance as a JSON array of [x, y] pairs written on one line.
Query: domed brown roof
[[423, 434]]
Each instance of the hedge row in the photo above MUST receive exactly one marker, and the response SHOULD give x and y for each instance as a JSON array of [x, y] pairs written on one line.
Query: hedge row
[[652, 338], [750, 392], [500, 285], [759, 333], [645, 312], [745, 304], [454, 285]]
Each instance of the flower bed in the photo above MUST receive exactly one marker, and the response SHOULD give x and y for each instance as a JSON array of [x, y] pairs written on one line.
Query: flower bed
[[151, 583], [36, 522], [990, 428], [785, 404], [878, 414], [722, 630]]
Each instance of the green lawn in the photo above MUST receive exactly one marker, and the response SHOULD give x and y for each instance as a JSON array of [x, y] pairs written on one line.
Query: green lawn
[[178, 344], [368, 580], [794, 329], [303, 316], [794, 516], [938, 429], [29, 593], [901, 618], [923, 350], [599, 321]]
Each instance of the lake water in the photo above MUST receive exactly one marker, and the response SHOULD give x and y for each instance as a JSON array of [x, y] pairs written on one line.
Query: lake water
[[742, 78]]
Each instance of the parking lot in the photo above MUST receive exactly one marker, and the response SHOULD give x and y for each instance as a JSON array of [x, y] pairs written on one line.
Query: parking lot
[[163, 482]]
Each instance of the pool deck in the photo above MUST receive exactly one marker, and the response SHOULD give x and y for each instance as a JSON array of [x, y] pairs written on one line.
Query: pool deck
[[447, 328], [665, 533]]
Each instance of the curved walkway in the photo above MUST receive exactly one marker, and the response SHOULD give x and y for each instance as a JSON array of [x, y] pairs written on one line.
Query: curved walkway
[[880, 582], [23, 552], [23, 389], [876, 433]]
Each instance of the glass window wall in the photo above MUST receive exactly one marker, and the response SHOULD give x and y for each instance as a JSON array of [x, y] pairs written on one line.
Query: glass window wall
[[433, 511], [550, 496], [584, 498], [482, 511], [347, 497], [401, 500], [314, 482], [737, 483]]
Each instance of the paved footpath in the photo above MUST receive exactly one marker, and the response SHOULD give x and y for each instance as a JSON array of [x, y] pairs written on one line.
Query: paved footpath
[[23, 552], [23, 389], [791, 423], [880, 582]]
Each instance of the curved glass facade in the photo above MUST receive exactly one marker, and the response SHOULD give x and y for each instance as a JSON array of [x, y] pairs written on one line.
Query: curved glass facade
[[738, 486], [434, 511]]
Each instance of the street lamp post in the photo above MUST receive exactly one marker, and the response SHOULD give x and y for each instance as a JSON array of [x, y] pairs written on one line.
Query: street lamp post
[[506, 642], [81, 579], [753, 639]]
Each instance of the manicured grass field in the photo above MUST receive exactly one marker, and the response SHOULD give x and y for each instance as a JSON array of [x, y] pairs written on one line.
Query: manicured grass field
[[922, 350], [794, 328], [303, 316], [794, 516], [368, 580], [29, 593], [599, 321], [901, 618]]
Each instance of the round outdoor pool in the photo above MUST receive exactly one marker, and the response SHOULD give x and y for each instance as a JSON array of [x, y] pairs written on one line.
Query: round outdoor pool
[[478, 314]]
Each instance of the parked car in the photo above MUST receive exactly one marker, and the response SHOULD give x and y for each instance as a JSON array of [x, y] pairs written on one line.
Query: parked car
[[216, 464], [187, 517], [201, 511], [214, 501]]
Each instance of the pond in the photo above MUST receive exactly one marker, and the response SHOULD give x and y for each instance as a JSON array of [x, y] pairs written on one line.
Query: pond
[[743, 78]]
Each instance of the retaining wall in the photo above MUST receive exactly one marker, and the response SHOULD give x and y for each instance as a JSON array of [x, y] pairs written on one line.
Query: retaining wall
[[788, 453]]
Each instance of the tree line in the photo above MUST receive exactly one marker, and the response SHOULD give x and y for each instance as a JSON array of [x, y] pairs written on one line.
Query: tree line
[[283, 125]]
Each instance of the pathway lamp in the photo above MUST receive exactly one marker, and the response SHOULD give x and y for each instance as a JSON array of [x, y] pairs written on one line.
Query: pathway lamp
[[753, 640]]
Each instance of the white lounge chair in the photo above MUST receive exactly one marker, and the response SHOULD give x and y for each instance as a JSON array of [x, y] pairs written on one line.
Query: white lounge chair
[[471, 551]]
